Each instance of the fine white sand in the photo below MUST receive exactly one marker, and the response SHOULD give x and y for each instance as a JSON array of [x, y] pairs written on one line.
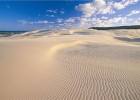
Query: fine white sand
[[78, 64]]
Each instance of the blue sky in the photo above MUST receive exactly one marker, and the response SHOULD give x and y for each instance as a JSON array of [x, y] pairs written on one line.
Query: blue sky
[[31, 15]]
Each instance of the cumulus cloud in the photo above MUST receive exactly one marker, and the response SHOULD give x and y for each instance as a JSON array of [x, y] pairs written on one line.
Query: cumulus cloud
[[52, 11], [103, 7], [116, 21], [84, 22], [134, 12], [124, 3], [95, 7], [118, 5]]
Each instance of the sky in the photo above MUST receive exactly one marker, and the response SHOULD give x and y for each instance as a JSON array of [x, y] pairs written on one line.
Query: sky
[[63, 14]]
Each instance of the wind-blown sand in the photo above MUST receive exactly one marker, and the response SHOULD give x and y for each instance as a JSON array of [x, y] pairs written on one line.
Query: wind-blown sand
[[70, 65]]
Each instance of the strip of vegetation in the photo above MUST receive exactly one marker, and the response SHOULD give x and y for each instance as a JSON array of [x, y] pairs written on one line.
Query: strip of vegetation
[[117, 27], [10, 33]]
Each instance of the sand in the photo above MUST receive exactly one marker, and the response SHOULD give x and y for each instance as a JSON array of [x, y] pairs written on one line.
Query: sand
[[78, 64]]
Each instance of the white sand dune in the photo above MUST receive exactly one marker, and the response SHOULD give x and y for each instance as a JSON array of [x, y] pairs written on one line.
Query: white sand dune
[[78, 64]]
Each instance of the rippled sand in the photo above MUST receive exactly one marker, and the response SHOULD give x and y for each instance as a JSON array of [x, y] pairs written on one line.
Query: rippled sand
[[71, 65]]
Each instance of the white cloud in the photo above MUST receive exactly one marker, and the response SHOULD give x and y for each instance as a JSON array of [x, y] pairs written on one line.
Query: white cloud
[[41, 22], [124, 3], [116, 21], [22, 22], [103, 7], [59, 20], [33, 22], [138, 20], [119, 5], [70, 20], [129, 2], [87, 9], [51, 11], [119, 15], [95, 7], [62, 12], [134, 12], [103, 17], [84, 22], [49, 15]]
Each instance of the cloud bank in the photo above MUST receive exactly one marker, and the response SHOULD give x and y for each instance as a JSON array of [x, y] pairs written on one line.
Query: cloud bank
[[93, 14]]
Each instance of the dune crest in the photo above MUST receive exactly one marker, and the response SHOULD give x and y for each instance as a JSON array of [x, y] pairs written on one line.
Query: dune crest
[[53, 50]]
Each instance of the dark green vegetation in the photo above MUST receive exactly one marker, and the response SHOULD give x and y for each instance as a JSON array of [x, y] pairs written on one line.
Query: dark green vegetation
[[10, 33], [117, 27]]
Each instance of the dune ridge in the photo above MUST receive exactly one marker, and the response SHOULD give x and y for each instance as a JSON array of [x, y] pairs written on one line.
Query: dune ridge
[[78, 64], [58, 47]]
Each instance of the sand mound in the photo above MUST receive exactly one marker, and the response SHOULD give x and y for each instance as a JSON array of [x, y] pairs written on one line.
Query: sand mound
[[59, 66], [58, 47], [36, 33], [127, 33]]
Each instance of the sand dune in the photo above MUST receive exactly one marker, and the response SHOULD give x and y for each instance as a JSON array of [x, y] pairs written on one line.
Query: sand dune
[[61, 46], [78, 64]]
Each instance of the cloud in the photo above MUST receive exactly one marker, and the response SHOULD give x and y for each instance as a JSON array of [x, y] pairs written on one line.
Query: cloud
[[70, 20], [59, 20], [118, 5], [23, 22], [95, 7], [134, 12], [49, 15], [124, 3], [86, 22], [138, 20], [51, 11], [103, 17], [62, 12], [103, 7], [115, 21], [41, 22]]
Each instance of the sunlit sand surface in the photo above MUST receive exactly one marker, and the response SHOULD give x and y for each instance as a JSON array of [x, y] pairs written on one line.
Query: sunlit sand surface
[[78, 64]]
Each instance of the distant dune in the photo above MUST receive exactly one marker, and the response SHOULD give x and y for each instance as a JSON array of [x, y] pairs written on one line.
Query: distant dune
[[78, 64]]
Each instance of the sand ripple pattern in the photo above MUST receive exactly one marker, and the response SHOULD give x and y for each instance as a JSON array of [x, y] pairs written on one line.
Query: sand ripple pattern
[[84, 72], [100, 72]]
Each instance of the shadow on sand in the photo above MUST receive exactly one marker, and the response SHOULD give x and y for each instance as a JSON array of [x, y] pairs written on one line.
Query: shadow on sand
[[128, 39]]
